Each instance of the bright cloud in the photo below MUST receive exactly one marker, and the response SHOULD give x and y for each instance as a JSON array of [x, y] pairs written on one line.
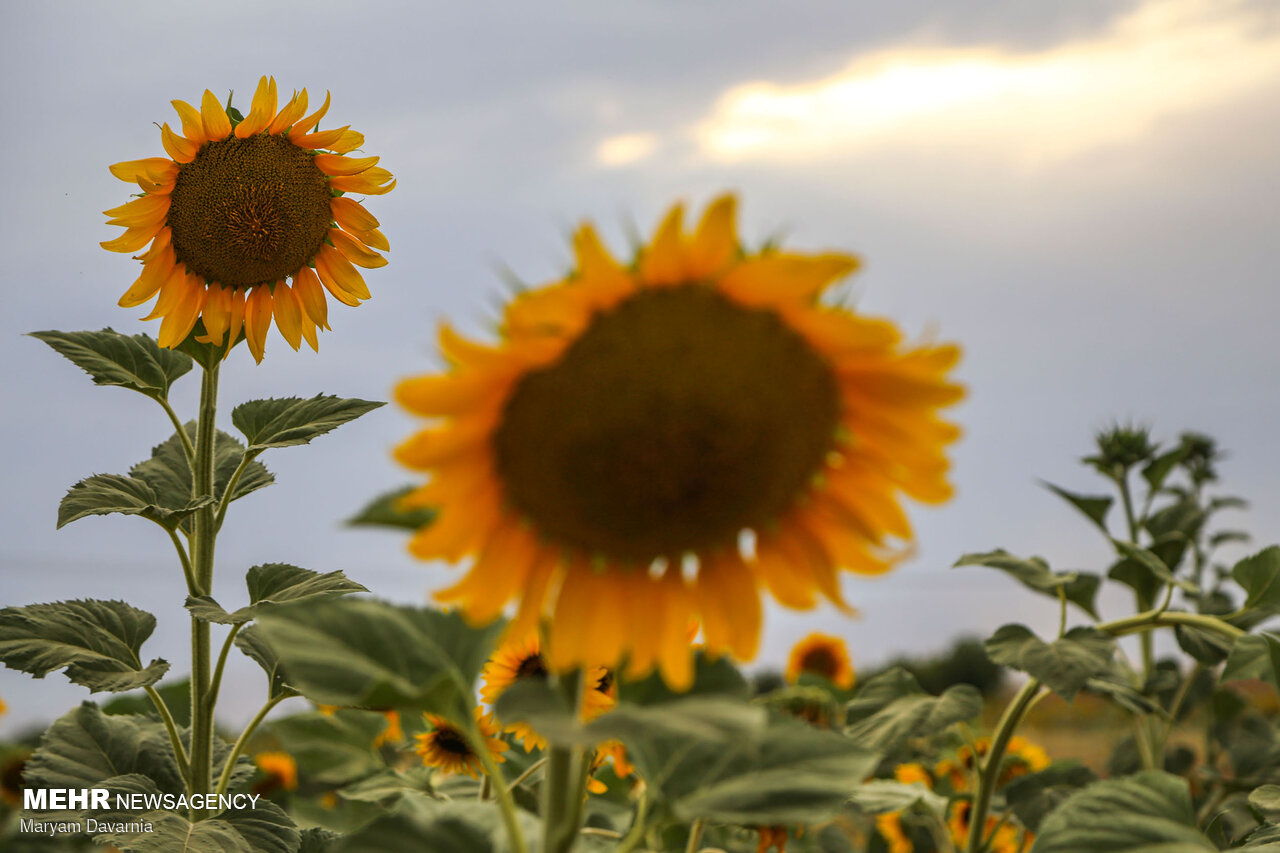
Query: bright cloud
[[1167, 58]]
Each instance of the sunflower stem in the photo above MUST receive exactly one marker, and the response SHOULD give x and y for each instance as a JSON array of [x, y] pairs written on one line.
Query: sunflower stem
[[479, 743], [224, 780], [202, 545], [562, 809], [990, 773]]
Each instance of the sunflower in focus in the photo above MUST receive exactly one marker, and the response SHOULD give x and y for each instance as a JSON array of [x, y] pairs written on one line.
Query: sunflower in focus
[[242, 205], [446, 747], [657, 441], [824, 656]]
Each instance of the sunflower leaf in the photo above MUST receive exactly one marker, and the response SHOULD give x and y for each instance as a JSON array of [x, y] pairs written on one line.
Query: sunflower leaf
[[135, 362], [85, 747], [265, 828], [335, 748], [290, 421], [1080, 588], [1065, 665], [1148, 811], [386, 510], [881, 796], [447, 827], [1260, 577], [1094, 507], [892, 707], [97, 642], [274, 583], [373, 654], [254, 645], [1254, 656], [1033, 796], [105, 494]]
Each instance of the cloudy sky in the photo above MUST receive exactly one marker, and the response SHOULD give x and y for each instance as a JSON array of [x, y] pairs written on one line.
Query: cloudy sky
[[1083, 193]]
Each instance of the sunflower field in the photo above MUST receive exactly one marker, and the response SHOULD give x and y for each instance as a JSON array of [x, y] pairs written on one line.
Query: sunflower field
[[646, 454]]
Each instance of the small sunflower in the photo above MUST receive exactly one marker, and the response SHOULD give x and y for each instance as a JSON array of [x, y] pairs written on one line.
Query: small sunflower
[[280, 770], [445, 746], [653, 442], [824, 656], [393, 733], [889, 825], [239, 206], [1002, 836]]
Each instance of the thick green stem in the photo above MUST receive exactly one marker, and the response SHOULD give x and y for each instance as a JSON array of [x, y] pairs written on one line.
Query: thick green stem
[[564, 781], [225, 778], [635, 835], [203, 533], [990, 774], [695, 835]]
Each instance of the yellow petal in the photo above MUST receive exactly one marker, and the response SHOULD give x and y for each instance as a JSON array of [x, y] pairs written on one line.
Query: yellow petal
[[308, 289], [300, 128], [288, 313], [349, 141], [192, 124], [336, 164], [355, 251], [309, 334], [716, 240], [177, 324], [257, 320], [131, 170], [351, 215], [140, 212], [162, 244], [172, 290], [373, 238], [217, 124], [319, 139], [180, 149], [372, 181], [235, 318], [781, 278], [154, 274], [262, 110], [133, 239], [337, 272], [290, 114], [663, 260], [216, 314]]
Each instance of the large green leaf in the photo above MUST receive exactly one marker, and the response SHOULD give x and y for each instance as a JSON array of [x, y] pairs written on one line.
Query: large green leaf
[[291, 421], [252, 643], [1080, 588], [105, 494], [373, 654], [1094, 507], [1064, 665], [85, 747], [1254, 656], [130, 361], [388, 510], [881, 796], [1260, 577], [334, 748], [275, 583], [455, 827], [892, 707], [98, 642], [265, 828], [1149, 812], [1033, 796]]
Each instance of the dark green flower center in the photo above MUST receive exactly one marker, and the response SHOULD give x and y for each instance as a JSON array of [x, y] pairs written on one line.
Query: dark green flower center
[[249, 211], [674, 422]]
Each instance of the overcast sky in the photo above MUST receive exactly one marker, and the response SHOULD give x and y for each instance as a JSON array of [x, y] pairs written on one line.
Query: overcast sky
[[1082, 193]]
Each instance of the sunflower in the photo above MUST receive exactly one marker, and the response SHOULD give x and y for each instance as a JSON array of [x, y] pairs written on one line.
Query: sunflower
[[653, 443], [445, 746], [824, 656], [1002, 836], [279, 769], [239, 206], [889, 825]]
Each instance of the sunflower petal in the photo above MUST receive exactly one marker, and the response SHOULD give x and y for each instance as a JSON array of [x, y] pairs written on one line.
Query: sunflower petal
[[300, 128], [288, 313], [133, 239], [351, 215], [130, 171], [663, 261], [292, 111], [140, 212], [337, 273], [336, 164], [309, 291], [179, 321], [355, 251], [217, 124], [235, 317], [216, 314], [716, 239], [349, 141], [262, 110], [192, 124], [154, 274], [320, 139], [182, 150], [372, 181], [257, 320]]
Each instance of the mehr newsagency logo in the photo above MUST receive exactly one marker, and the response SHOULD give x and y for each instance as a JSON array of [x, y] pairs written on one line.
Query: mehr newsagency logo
[[41, 801]]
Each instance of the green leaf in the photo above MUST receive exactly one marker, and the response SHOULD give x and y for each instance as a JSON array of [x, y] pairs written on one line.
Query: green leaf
[[1080, 588], [176, 696], [252, 643], [275, 583], [881, 796], [386, 511], [332, 748], [455, 827], [373, 654], [1254, 656], [1260, 577], [1266, 800], [1094, 507], [789, 772], [1185, 517], [291, 421], [85, 747], [1064, 665], [1158, 469], [1033, 796], [130, 361], [98, 642], [104, 494], [264, 828], [317, 840], [1145, 559], [1207, 647], [1137, 577], [389, 785], [1118, 683], [891, 707], [1145, 813]]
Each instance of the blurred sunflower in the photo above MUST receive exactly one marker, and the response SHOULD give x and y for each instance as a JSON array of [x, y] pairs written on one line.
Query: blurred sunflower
[[445, 746], [239, 206], [650, 443], [279, 770], [822, 655]]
